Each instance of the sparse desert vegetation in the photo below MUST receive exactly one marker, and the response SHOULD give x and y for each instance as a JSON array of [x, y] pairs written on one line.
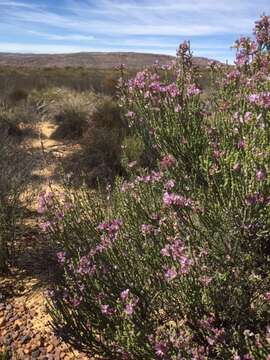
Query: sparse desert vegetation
[[147, 197]]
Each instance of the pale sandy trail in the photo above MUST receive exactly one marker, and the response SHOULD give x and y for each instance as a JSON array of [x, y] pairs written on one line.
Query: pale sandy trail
[[30, 280]]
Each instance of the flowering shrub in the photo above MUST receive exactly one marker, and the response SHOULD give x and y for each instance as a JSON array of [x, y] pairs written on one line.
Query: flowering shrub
[[173, 263]]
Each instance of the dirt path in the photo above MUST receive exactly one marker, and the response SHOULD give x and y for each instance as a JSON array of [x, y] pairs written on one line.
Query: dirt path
[[24, 322]]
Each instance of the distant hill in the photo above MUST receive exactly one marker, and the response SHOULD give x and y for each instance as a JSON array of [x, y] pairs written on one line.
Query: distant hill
[[97, 60]]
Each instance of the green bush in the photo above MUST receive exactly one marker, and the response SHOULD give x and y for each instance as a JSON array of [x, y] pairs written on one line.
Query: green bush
[[174, 263]]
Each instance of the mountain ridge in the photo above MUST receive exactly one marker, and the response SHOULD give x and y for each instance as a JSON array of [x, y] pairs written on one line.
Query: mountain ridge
[[99, 60]]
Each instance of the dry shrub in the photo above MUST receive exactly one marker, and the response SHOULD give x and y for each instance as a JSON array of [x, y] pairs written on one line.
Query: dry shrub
[[17, 122], [107, 115], [72, 122], [15, 167], [99, 158], [102, 142], [18, 95]]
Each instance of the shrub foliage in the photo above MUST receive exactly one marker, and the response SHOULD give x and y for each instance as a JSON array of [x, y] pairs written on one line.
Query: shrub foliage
[[173, 262]]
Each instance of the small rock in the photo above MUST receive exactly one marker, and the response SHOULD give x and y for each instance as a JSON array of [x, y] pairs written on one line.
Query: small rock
[[57, 355], [35, 354], [25, 339], [55, 341], [26, 351], [17, 324], [36, 344], [15, 335], [9, 341], [50, 348], [42, 350], [2, 321]]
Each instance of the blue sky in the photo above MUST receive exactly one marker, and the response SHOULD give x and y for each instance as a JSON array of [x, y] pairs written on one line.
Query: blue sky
[[156, 26]]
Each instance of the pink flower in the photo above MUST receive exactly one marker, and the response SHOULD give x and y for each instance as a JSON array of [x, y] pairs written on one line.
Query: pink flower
[[124, 294], [61, 257], [110, 232], [262, 31], [147, 229], [267, 296], [255, 198], [260, 175], [107, 310], [173, 90], [130, 306], [169, 184], [129, 309], [193, 90], [237, 167], [177, 108], [168, 161], [248, 116], [86, 266], [171, 274], [76, 302], [234, 75], [218, 154], [46, 226], [154, 177], [241, 144], [166, 251], [170, 199], [160, 349], [186, 264], [261, 99], [206, 280], [130, 114]]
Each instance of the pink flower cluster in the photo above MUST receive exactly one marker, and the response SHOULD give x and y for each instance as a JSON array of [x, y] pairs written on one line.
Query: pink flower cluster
[[233, 75], [216, 334], [246, 49], [178, 252], [129, 300], [107, 310], [44, 201], [262, 32], [255, 199], [262, 99], [193, 90], [110, 231], [172, 199], [168, 161], [153, 177], [86, 266]]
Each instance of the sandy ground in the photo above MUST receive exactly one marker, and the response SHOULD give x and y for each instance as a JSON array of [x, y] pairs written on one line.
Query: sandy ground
[[25, 332]]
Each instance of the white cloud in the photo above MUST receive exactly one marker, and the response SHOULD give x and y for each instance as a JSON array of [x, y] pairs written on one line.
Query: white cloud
[[59, 49], [182, 18], [134, 25], [68, 37], [63, 49], [13, 4]]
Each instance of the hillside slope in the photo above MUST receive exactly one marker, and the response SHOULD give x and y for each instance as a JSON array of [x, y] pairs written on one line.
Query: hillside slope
[[95, 60]]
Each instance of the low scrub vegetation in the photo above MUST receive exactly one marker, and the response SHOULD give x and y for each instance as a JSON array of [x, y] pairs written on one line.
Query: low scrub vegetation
[[17, 123], [173, 261], [15, 165]]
